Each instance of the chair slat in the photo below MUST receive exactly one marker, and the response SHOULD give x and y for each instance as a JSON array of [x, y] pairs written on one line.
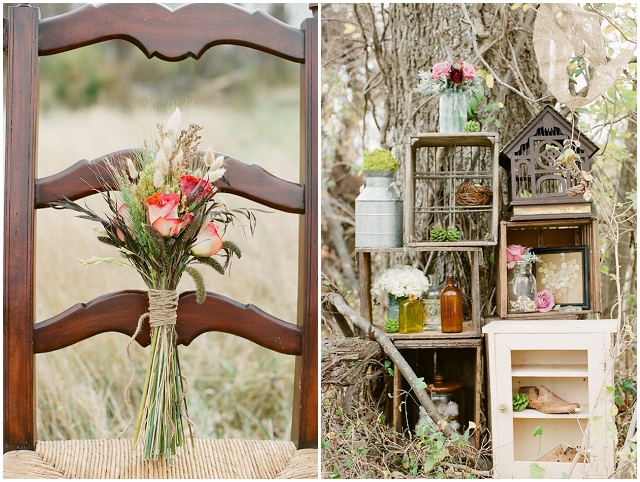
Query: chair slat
[[86, 177], [120, 311], [160, 32]]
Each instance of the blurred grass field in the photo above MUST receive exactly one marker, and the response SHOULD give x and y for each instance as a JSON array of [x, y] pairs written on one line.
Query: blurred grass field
[[236, 388]]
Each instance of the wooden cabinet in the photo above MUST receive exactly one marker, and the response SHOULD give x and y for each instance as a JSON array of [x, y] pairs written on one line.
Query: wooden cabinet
[[570, 358]]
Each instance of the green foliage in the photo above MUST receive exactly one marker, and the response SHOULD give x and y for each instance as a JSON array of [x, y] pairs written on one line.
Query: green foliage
[[520, 402], [379, 160], [211, 262], [387, 366]]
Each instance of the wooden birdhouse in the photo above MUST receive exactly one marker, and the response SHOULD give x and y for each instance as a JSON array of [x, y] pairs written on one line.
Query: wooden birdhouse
[[541, 184]]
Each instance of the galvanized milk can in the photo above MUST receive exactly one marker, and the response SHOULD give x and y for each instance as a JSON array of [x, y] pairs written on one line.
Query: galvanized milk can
[[379, 212]]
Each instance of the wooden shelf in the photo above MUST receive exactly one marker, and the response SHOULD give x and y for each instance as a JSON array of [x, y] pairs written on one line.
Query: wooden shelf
[[533, 413], [550, 370]]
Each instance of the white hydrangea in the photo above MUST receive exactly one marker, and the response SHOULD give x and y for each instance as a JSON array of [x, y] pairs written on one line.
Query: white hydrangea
[[402, 281]]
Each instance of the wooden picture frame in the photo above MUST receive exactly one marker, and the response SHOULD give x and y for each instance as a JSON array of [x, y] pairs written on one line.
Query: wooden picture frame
[[565, 272]]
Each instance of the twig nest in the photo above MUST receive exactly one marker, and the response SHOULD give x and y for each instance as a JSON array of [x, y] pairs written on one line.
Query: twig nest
[[469, 194]]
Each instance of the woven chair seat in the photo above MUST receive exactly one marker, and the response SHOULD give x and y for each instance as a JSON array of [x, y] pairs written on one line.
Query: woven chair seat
[[210, 459]]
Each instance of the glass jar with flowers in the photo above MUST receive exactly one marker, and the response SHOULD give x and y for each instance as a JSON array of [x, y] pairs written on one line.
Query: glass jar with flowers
[[455, 83], [522, 292], [397, 284]]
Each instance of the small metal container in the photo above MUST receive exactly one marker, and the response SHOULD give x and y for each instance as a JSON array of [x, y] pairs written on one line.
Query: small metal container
[[379, 212]]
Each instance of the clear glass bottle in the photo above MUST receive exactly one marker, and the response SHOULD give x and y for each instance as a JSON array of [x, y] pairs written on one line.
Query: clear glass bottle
[[431, 305], [522, 289], [451, 308], [393, 308], [410, 316]]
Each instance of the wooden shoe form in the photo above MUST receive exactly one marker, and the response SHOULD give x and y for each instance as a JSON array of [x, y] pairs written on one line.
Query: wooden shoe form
[[545, 401]]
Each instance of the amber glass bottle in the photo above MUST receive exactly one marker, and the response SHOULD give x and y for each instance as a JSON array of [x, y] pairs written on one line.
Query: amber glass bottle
[[451, 308], [411, 314]]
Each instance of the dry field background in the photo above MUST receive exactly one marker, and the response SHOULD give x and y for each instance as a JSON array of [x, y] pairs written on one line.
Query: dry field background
[[236, 388]]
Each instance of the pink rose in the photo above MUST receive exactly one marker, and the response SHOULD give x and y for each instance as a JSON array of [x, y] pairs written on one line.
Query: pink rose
[[208, 241], [545, 301], [163, 214], [440, 69], [468, 71], [514, 253]]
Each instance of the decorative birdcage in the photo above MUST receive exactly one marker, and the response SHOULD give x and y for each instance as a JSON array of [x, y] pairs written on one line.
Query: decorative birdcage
[[541, 187]]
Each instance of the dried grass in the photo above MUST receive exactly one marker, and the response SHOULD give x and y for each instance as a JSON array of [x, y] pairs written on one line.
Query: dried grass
[[236, 388]]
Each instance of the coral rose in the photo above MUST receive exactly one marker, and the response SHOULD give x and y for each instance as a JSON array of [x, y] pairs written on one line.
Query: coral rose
[[163, 214], [545, 301], [208, 241], [440, 69], [514, 253]]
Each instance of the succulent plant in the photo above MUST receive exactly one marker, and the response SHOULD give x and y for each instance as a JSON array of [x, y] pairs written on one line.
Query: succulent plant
[[438, 234], [471, 126], [453, 235], [520, 402], [392, 326]]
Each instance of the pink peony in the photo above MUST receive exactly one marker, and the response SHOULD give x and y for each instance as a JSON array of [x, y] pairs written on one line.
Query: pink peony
[[468, 71], [208, 241], [163, 214], [545, 301], [440, 69], [514, 253]]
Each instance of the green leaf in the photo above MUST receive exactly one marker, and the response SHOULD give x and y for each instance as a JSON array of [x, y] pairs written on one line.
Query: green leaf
[[325, 444], [421, 384], [429, 463], [537, 431], [348, 432], [536, 472], [610, 426], [498, 123], [197, 278], [604, 269]]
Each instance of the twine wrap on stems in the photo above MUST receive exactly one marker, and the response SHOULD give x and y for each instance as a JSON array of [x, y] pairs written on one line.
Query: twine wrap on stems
[[163, 406]]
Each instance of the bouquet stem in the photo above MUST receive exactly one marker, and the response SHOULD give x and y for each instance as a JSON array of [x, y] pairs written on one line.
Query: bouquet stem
[[163, 409]]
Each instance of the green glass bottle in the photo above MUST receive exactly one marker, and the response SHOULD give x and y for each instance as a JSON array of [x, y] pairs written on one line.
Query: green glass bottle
[[411, 313]]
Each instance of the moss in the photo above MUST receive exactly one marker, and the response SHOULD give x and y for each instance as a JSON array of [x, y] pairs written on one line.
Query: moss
[[379, 160]]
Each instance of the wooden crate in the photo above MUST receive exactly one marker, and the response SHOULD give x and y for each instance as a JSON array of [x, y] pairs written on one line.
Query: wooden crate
[[549, 234], [437, 163], [460, 359], [470, 326]]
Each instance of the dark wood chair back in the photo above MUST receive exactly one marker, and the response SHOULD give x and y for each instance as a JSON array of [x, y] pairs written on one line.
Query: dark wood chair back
[[169, 35]]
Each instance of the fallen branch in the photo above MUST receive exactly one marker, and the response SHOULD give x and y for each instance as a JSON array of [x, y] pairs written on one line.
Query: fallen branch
[[393, 353]]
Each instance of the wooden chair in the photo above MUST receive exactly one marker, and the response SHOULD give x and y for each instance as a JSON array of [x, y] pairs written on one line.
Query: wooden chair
[[158, 32]]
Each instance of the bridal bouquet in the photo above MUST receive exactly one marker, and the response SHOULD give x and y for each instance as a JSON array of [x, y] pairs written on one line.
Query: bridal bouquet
[[163, 219]]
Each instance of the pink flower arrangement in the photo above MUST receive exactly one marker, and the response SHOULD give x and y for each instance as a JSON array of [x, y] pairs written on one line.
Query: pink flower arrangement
[[545, 301], [458, 75], [515, 252]]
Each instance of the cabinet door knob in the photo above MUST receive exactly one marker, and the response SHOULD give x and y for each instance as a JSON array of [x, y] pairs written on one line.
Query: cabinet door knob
[[503, 408]]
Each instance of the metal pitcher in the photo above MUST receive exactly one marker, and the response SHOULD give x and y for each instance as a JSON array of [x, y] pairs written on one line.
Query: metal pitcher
[[379, 212]]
